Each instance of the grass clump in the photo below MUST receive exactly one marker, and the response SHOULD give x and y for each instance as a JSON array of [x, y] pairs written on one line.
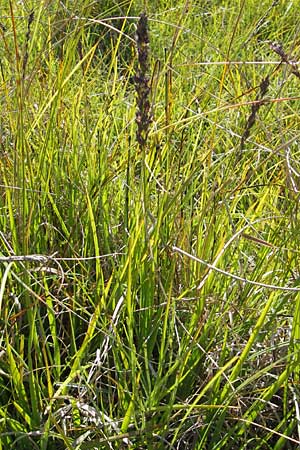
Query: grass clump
[[149, 226]]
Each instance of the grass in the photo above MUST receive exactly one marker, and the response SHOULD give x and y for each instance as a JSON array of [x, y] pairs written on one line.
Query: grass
[[149, 240]]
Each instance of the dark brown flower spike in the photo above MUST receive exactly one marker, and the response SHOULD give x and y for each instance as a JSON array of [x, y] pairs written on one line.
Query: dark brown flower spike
[[142, 81]]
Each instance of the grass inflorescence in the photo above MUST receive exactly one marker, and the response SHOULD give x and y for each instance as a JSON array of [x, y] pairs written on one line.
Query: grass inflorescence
[[143, 114], [149, 234]]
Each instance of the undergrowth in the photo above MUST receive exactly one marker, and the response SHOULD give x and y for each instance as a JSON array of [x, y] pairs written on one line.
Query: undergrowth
[[149, 231]]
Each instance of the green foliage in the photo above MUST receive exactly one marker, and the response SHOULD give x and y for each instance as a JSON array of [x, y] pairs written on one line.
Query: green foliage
[[149, 293]]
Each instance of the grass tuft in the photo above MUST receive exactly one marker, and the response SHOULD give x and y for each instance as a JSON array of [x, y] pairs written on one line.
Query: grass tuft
[[149, 208]]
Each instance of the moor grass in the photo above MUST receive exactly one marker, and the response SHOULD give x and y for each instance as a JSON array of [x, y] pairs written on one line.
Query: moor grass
[[149, 234]]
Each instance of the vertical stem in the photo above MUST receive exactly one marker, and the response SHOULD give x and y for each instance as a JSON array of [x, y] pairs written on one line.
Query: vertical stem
[[143, 113], [19, 158]]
